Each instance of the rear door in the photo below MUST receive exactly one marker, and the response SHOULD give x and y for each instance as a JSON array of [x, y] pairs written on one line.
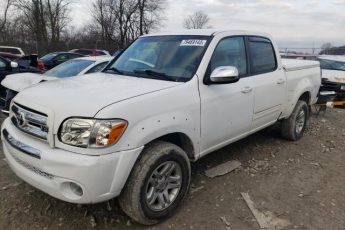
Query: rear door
[[269, 82]]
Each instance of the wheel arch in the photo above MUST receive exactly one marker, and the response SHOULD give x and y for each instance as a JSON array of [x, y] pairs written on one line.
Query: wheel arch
[[180, 139], [306, 96]]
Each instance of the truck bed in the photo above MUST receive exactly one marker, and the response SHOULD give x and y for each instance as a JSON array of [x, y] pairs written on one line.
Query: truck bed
[[293, 65]]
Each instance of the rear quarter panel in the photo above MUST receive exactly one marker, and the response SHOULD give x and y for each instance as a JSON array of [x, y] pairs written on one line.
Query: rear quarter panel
[[300, 81]]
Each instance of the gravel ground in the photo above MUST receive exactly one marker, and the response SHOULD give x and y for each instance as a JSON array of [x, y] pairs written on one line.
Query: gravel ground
[[295, 185]]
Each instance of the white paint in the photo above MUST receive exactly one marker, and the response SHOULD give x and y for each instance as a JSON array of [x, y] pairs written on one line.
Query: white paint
[[212, 116]]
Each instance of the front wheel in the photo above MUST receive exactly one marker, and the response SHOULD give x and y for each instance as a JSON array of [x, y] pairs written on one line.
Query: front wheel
[[293, 127], [159, 182]]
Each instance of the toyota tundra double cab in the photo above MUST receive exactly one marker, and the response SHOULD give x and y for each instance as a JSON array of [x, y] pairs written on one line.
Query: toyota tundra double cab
[[169, 99]]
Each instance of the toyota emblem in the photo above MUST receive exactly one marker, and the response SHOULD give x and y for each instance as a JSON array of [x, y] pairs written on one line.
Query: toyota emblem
[[21, 120]]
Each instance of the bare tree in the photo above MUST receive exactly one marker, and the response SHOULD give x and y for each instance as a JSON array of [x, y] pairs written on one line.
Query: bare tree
[[326, 46], [43, 25], [32, 14], [121, 21], [57, 17], [198, 20], [3, 19], [149, 15]]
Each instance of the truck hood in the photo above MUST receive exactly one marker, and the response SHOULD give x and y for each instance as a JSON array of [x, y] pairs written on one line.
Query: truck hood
[[18, 82], [86, 95], [336, 76]]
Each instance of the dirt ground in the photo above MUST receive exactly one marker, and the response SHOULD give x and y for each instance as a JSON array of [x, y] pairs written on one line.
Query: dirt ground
[[300, 184]]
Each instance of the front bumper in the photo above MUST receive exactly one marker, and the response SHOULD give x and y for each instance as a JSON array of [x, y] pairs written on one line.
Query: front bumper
[[99, 177]]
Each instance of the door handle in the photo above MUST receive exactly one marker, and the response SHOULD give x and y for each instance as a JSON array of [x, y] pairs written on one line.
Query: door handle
[[280, 81], [247, 89]]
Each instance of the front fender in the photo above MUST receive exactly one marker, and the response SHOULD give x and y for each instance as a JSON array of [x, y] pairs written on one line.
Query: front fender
[[150, 116]]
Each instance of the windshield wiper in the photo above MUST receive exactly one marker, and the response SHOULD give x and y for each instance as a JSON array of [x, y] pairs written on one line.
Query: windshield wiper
[[156, 75], [115, 70]]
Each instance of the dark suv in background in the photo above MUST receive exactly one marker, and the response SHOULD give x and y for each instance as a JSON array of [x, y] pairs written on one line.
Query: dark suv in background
[[8, 67], [91, 52], [56, 58]]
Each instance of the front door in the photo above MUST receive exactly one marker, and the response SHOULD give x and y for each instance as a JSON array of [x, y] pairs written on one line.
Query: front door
[[226, 109]]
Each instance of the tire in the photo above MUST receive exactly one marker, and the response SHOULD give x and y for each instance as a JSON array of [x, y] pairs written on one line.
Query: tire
[[293, 127], [145, 175]]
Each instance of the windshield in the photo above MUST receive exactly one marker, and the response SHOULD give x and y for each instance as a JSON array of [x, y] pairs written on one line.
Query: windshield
[[174, 58], [332, 65], [47, 57], [69, 68], [9, 50]]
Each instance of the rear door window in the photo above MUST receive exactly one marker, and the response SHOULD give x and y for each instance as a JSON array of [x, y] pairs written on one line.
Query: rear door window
[[262, 55], [71, 56], [61, 57], [84, 52]]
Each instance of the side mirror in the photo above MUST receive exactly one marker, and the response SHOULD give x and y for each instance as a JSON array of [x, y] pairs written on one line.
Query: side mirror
[[14, 65], [224, 75]]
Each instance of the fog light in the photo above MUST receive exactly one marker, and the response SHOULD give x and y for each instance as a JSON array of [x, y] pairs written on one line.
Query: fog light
[[76, 189]]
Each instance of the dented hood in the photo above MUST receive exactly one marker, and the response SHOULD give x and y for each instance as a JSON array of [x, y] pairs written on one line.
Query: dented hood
[[86, 95], [335, 76], [20, 81]]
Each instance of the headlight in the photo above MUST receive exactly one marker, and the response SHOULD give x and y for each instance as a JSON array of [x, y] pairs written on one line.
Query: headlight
[[91, 132]]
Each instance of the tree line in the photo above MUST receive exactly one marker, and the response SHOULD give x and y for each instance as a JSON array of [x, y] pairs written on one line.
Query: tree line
[[41, 26], [329, 49]]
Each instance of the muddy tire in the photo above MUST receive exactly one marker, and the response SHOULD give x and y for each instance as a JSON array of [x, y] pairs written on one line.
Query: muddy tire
[[293, 127], [158, 183]]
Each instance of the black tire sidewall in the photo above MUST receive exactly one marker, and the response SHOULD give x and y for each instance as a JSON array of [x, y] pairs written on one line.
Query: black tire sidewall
[[173, 155]]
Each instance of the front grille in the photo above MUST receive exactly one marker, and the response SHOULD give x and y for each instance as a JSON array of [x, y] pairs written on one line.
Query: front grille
[[30, 121]]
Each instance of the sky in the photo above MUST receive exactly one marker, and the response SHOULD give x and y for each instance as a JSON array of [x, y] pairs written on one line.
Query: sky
[[293, 23]]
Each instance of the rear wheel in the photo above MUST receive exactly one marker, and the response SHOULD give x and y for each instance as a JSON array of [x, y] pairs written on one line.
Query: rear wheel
[[293, 127], [159, 182]]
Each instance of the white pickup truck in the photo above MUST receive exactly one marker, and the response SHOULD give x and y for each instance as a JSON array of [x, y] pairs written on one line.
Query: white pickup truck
[[132, 130]]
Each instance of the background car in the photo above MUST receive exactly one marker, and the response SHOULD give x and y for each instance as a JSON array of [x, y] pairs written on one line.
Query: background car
[[75, 67], [12, 50], [8, 67], [10, 56], [333, 75], [117, 52], [91, 52], [31, 60], [56, 58]]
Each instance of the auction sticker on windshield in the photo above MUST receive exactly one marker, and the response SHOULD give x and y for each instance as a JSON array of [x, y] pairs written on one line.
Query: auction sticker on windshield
[[193, 42]]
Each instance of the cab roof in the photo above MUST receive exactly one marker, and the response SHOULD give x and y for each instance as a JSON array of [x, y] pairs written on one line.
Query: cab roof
[[207, 32]]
